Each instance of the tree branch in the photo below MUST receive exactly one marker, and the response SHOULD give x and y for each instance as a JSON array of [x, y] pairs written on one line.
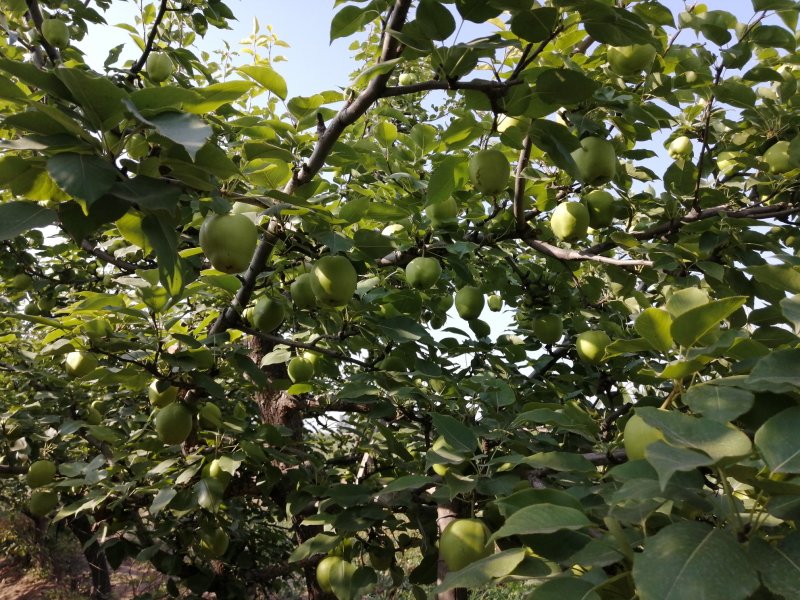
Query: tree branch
[[704, 140], [346, 116], [493, 89], [775, 211], [276, 339], [572, 255], [110, 258], [10, 471], [151, 38], [36, 17]]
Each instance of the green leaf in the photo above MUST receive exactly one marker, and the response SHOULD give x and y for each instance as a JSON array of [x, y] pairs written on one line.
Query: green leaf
[[267, 78], [444, 179], [403, 329], [693, 560], [208, 493], [790, 307], [216, 95], [434, 20], [782, 277], [477, 11], [319, 544], [776, 372], [718, 402], [534, 25], [692, 325], [614, 26], [31, 75], [83, 176], [458, 435], [778, 564], [166, 98], [564, 588], [148, 193], [80, 225], [720, 441], [99, 98], [189, 131], [162, 500], [686, 299], [564, 87], [349, 20], [774, 5], [20, 216], [653, 324], [524, 498], [557, 141], [372, 71], [402, 484], [683, 368], [483, 571], [773, 36], [655, 13], [542, 518], [668, 460], [735, 94], [372, 244], [776, 439], [161, 235]]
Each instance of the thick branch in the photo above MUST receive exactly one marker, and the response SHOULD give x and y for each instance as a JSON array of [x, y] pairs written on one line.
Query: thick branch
[[278, 340], [10, 471], [151, 38], [36, 17], [346, 116]]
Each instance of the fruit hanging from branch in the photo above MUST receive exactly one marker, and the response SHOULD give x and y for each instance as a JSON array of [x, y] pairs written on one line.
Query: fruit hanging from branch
[[489, 171], [596, 160], [228, 241], [55, 33], [159, 67], [333, 280]]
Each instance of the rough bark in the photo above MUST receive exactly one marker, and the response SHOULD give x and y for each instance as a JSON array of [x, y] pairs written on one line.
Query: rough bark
[[276, 407], [98, 565]]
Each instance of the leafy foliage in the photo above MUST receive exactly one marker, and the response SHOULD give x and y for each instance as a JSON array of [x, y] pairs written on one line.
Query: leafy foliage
[[106, 178]]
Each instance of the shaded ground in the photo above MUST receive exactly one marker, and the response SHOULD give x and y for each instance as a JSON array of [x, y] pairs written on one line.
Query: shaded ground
[[20, 583]]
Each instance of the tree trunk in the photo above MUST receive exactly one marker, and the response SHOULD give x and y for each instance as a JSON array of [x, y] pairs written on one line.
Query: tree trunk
[[98, 565], [276, 407], [445, 513]]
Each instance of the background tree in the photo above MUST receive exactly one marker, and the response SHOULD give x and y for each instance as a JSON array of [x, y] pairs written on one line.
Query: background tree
[[233, 427]]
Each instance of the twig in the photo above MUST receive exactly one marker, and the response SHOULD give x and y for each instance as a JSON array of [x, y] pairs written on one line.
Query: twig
[[519, 183], [110, 258], [704, 140]]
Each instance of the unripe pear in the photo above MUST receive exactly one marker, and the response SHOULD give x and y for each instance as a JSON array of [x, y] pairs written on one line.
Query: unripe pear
[[570, 221], [159, 67], [489, 171], [228, 241]]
